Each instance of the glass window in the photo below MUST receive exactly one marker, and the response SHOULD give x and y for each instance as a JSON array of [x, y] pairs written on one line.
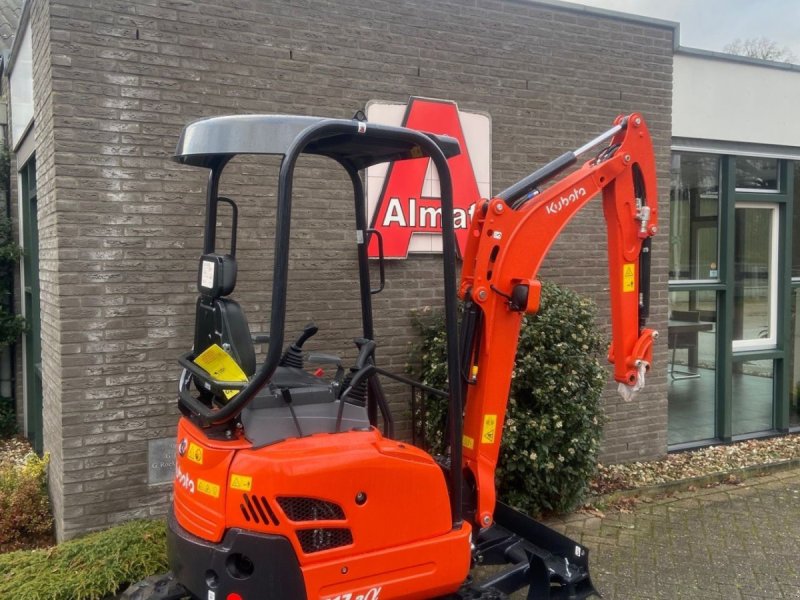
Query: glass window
[[755, 267], [757, 174], [692, 343], [694, 211], [752, 403]]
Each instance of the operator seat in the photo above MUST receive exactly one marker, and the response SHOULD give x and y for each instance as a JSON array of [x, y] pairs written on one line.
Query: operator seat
[[219, 319], [294, 403]]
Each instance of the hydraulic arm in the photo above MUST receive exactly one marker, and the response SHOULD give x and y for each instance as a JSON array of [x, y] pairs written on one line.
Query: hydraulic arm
[[510, 236]]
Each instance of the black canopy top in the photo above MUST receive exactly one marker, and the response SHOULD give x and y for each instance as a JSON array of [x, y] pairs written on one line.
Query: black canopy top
[[205, 142]]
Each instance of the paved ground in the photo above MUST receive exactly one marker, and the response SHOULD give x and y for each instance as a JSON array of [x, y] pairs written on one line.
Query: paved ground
[[722, 543]]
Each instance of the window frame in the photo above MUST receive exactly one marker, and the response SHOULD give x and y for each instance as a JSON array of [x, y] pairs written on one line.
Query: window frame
[[755, 344]]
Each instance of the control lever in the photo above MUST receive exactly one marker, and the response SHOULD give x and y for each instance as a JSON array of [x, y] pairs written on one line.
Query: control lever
[[365, 350], [293, 357], [308, 331], [320, 358], [355, 385]]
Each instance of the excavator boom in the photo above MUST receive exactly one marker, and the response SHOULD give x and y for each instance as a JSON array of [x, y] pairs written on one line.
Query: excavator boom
[[509, 238]]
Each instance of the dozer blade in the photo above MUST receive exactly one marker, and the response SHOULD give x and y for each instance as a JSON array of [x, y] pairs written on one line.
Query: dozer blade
[[551, 565]]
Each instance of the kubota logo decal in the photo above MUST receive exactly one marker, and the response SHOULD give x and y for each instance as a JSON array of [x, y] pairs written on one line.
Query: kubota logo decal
[[557, 206], [184, 480], [370, 594], [405, 198]]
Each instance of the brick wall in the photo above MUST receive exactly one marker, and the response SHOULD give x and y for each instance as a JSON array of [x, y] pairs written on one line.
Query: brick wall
[[57, 386], [122, 225]]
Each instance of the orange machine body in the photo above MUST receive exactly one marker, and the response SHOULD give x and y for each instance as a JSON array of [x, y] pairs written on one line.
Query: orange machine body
[[381, 505]]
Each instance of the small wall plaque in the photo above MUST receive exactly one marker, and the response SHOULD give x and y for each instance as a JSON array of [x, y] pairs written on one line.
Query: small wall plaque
[[160, 460]]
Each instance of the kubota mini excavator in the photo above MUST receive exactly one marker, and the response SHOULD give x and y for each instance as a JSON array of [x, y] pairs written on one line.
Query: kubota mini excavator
[[286, 487]]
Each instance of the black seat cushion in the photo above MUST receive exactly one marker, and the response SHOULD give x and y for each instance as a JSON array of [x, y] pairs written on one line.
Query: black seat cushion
[[235, 336]]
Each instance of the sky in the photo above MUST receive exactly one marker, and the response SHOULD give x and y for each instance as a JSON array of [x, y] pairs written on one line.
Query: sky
[[711, 24]]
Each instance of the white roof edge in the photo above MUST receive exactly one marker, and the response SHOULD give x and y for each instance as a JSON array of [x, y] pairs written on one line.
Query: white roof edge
[[735, 58]]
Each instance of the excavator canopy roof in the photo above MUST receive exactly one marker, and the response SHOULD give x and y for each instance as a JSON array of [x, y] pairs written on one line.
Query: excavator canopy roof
[[206, 142]]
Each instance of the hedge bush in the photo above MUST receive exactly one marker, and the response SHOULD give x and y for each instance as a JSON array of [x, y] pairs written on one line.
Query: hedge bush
[[88, 568], [25, 518], [554, 419], [11, 325], [8, 418]]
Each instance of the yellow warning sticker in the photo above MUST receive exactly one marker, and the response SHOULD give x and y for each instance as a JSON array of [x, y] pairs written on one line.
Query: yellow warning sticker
[[195, 453], [628, 277], [208, 488], [468, 442], [221, 366], [241, 482], [489, 428]]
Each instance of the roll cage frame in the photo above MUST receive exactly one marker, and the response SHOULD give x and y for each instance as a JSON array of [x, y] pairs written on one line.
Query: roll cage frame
[[355, 145]]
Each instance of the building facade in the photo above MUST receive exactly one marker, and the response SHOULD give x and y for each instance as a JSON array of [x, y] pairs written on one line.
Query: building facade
[[113, 229]]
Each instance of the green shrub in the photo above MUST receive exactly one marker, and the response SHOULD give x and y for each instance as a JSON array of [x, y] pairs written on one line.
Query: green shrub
[[88, 568], [8, 418], [554, 421], [11, 325], [25, 518]]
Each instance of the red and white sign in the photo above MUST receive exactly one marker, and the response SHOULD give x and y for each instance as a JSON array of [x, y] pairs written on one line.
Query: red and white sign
[[404, 198]]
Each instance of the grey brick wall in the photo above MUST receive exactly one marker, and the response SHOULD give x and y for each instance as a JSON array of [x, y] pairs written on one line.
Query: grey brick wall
[[56, 385], [121, 225]]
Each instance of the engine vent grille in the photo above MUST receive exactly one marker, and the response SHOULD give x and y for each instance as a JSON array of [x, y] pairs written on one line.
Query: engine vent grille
[[301, 509], [317, 540], [258, 510]]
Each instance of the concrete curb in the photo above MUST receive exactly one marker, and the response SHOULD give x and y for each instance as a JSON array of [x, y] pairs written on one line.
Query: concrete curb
[[682, 485]]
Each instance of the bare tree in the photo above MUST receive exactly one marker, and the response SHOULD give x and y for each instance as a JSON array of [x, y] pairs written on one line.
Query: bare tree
[[763, 48]]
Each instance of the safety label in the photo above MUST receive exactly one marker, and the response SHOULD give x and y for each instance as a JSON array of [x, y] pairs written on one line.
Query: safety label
[[221, 366], [195, 453], [468, 442], [489, 428], [207, 275], [241, 482], [208, 488], [628, 277]]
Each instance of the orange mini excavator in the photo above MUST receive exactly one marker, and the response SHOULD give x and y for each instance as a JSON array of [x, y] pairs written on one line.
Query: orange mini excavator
[[289, 485]]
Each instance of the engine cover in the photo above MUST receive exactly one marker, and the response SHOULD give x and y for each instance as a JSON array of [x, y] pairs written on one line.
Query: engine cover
[[362, 514]]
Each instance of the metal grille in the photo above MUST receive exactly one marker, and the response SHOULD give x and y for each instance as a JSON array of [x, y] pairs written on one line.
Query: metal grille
[[316, 540], [301, 509], [258, 510]]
